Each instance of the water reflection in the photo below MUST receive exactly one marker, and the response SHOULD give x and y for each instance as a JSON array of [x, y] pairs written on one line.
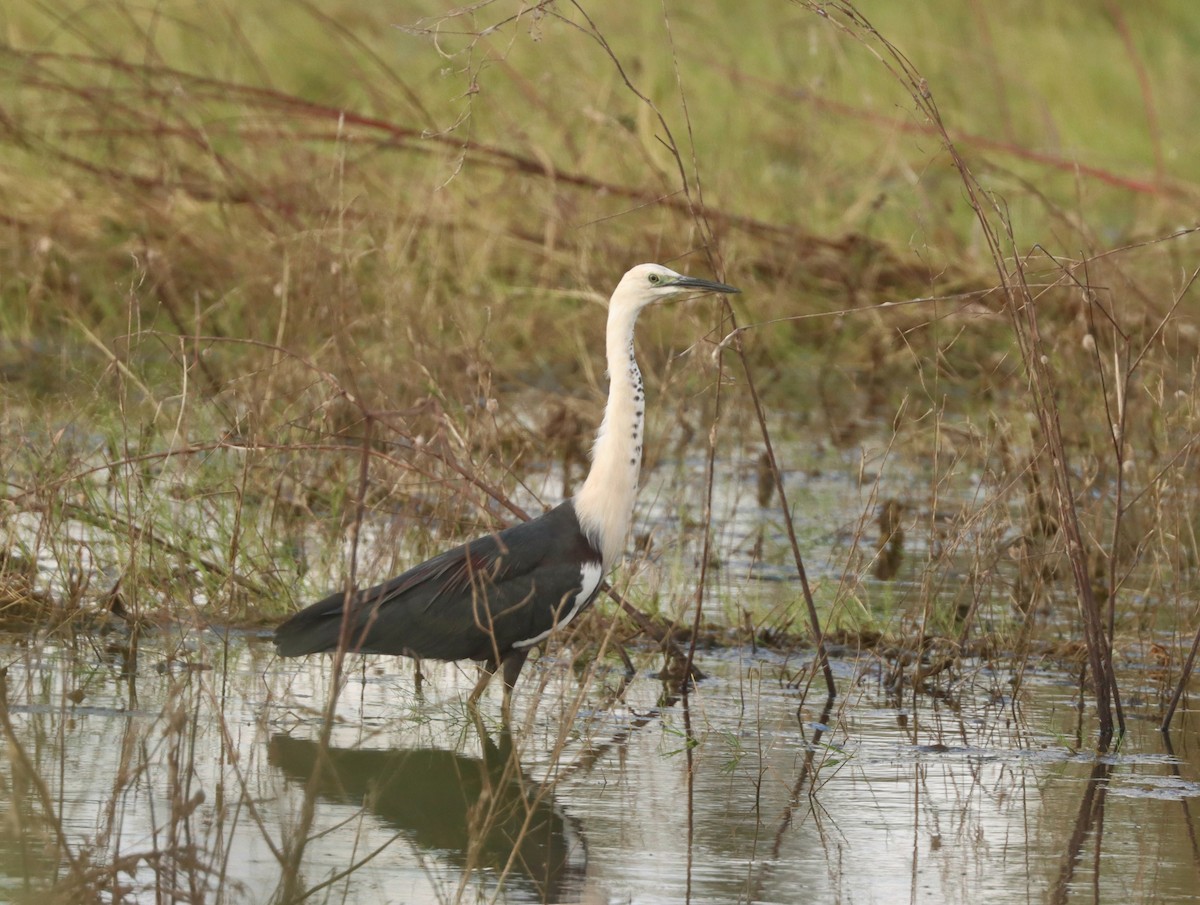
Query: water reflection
[[479, 814], [195, 794], [1089, 820]]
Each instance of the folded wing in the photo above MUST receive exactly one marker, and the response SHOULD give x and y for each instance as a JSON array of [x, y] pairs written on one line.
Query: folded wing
[[473, 602]]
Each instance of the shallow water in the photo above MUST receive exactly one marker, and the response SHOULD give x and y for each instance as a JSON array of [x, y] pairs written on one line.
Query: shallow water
[[186, 777]]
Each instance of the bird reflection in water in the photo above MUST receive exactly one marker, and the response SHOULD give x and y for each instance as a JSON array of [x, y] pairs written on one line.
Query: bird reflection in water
[[477, 813]]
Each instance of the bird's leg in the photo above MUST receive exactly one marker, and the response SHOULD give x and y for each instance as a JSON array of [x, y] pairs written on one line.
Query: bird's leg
[[513, 661]]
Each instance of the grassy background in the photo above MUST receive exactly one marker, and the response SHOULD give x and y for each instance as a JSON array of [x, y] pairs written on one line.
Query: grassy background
[[227, 233]]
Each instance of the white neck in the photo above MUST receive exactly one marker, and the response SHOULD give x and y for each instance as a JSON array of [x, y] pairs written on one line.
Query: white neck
[[604, 504]]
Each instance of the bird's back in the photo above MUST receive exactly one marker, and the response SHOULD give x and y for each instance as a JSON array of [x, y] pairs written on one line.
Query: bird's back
[[473, 602]]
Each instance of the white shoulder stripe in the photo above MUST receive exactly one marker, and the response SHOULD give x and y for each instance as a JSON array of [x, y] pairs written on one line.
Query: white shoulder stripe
[[590, 574]]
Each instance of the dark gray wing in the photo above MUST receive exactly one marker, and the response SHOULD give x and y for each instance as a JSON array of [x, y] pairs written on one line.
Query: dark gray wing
[[473, 602]]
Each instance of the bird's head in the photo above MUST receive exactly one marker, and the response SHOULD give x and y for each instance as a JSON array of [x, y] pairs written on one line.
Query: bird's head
[[649, 283]]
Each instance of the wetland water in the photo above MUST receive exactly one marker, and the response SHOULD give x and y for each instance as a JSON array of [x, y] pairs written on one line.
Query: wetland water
[[188, 780], [193, 771]]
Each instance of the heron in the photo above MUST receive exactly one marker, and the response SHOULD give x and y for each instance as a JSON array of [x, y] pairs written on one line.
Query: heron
[[495, 598]]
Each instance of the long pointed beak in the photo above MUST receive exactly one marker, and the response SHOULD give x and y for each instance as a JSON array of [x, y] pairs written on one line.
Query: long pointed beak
[[703, 285]]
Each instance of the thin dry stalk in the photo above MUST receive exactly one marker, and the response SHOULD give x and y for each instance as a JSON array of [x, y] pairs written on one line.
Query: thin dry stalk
[[996, 227], [28, 770], [291, 883], [692, 192]]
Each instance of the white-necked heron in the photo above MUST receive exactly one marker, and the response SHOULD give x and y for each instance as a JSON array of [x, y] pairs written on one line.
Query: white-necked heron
[[494, 598]]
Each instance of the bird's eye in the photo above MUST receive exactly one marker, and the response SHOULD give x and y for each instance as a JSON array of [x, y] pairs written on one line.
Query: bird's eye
[[655, 279]]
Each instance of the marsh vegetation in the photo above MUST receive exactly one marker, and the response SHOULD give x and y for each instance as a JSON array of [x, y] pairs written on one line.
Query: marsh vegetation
[[291, 292]]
